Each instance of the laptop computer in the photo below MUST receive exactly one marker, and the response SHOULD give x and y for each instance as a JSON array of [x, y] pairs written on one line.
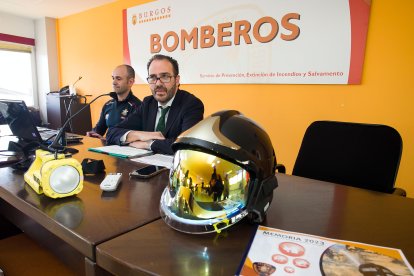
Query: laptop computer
[[21, 124]]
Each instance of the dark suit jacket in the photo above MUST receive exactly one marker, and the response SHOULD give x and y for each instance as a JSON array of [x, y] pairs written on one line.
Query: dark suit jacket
[[186, 110]]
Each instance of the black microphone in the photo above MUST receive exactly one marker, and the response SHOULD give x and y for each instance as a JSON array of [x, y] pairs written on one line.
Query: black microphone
[[59, 143]]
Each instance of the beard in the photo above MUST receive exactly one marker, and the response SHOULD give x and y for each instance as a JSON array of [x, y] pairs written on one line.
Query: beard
[[120, 90], [169, 93]]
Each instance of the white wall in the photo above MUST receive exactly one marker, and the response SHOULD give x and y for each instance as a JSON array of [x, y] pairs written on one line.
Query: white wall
[[16, 25], [46, 74], [46, 61]]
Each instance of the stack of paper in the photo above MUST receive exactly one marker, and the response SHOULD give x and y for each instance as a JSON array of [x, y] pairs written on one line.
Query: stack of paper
[[157, 160]]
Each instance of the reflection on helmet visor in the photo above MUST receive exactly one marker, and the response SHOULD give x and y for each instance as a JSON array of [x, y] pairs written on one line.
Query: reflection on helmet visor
[[203, 186]]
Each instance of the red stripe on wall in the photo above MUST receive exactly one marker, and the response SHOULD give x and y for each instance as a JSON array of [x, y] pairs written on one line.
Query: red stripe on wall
[[359, 10], [17, 39], [127, 57]]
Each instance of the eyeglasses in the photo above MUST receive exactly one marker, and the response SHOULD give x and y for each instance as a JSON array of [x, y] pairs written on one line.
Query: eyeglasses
[[163, 79]]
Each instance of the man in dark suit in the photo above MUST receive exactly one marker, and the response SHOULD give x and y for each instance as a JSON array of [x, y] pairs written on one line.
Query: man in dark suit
[[162, 117]]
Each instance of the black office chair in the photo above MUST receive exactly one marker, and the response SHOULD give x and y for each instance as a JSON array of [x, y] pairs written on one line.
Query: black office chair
[[354, 154]]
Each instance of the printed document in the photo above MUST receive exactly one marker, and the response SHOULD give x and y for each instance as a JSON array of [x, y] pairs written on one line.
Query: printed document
[[278, 252], [157, 160]]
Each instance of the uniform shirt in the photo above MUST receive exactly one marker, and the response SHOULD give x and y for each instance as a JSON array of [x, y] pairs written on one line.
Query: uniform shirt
[[114, 111]]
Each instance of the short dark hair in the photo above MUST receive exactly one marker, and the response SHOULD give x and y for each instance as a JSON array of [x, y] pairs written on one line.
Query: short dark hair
[[173, 62], [130, 71]]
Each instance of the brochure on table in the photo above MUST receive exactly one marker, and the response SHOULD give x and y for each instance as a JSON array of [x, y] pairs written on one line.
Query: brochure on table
[[278, 252], [121, 151]]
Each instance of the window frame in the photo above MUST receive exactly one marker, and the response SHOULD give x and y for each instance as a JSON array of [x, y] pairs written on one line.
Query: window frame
[[23, 44]]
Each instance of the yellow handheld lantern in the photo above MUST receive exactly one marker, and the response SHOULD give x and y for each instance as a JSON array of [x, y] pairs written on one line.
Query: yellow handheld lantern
[[54, 175]]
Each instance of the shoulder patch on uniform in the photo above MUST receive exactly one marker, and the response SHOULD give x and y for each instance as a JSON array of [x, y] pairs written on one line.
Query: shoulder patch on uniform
[[110, 102]]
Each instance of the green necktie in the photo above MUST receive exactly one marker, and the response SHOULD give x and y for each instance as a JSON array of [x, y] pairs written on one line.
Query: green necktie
[[161, 122]]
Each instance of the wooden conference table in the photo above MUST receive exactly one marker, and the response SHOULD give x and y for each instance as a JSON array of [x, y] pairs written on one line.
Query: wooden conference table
[[71, 227], [299, 205], [122, 233]]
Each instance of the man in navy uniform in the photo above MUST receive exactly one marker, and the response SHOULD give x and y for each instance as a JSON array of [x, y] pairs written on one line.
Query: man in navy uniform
[[163, 116], [121, 106]]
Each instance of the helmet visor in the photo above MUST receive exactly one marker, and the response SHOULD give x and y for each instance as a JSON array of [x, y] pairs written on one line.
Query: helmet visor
[[205, 193]]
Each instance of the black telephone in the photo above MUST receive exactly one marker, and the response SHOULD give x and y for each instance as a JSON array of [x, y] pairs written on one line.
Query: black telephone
[[64, 90]]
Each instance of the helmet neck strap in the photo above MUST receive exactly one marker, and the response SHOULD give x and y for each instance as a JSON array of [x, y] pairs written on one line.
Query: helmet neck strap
[[261, 197]]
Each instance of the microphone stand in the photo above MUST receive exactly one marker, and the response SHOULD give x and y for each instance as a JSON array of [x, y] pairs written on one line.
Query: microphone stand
[[59, 143], [77, 81], [67, 107]]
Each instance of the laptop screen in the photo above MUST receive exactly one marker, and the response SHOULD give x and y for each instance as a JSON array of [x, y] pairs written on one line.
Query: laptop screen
[[19, 119]]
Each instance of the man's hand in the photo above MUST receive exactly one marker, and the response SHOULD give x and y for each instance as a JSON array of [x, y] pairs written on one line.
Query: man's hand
[[141, 144], [136, 135], [95, 135]]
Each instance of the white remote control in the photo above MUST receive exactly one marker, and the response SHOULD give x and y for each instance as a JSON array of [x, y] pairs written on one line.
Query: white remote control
[[111, 182]]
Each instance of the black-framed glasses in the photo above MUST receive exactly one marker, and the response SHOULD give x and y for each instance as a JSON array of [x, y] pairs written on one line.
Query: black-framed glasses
[[163, 79]]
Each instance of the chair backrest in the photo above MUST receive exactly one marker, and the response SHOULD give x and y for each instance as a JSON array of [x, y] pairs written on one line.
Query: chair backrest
[[354, 154]]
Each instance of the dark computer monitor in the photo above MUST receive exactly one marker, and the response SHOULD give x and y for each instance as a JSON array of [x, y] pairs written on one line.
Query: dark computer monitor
[[19, 119]]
